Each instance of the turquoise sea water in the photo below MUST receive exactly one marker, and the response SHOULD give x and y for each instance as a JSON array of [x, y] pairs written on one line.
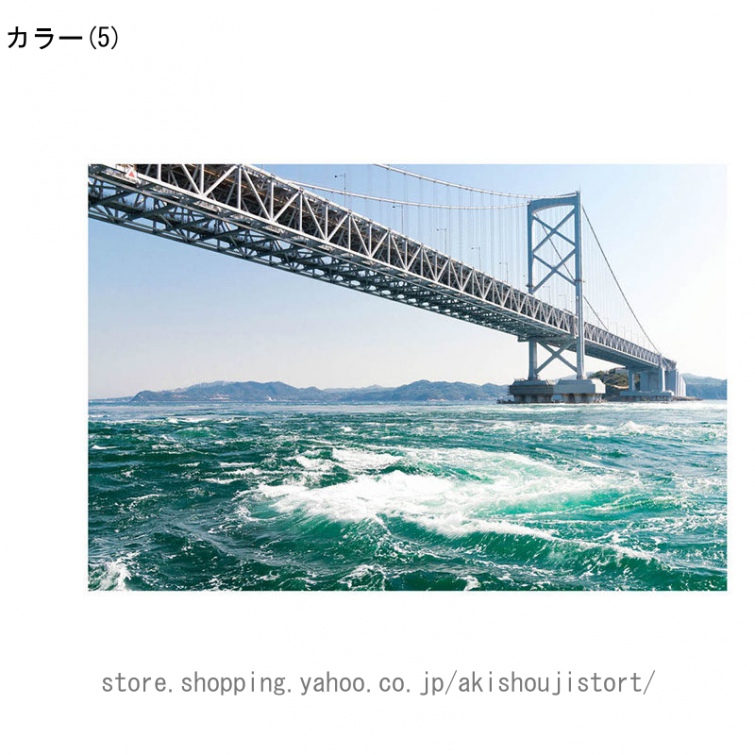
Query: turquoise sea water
[[275, 497]]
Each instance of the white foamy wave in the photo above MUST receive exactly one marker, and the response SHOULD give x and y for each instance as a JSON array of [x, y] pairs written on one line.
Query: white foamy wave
[[446, 506], [168, 445], [633, 428], [240, 470], [141, 498], [364, 576], [510, 479], [357, 459], [115, 573], [480, 492], [243, 513], [610, 550], [313, 464], [456, 525], [362, 498]]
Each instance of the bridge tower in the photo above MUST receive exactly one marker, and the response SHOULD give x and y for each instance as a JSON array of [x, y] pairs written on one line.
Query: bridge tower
[[568, 229], [554, 248]]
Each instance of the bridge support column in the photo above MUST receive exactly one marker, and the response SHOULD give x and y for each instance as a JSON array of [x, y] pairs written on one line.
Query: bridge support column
[[579, 298], [533, 371], [655, 384], [675, 383]]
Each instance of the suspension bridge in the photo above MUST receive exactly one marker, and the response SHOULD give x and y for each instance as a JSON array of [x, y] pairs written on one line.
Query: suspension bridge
[[511, 262]]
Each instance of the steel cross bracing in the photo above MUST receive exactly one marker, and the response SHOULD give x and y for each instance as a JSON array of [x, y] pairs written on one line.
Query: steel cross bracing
[[245, 212]]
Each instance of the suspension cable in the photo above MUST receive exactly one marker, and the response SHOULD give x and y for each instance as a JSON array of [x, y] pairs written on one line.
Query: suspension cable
[[457, 186], [470, 207], [595, 236], [409, 203]]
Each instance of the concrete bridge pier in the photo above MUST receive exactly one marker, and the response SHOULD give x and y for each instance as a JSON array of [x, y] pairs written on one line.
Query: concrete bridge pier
[[654, 384], [564, 391], [675, 383]]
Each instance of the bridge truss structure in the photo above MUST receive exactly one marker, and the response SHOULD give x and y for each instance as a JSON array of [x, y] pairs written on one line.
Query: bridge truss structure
[[245, 212]]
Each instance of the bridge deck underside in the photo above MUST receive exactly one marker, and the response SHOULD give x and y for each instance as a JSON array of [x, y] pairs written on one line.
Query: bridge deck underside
[[247, 213]]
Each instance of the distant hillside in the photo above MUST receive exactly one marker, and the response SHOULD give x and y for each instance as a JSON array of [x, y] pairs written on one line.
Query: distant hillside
[[705, 387], [421, 390]]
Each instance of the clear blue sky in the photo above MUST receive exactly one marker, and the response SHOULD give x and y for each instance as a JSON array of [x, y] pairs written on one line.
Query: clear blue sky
[[165, 315]]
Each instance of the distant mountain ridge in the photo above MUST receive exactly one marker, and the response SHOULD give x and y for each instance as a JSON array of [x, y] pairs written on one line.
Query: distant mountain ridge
[[705, 387], [420, 390]]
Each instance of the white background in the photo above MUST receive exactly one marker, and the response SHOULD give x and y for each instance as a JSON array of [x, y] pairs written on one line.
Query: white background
[[339, 82]]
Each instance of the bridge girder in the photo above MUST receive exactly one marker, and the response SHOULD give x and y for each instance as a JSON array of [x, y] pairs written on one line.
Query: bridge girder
[[244, 212]]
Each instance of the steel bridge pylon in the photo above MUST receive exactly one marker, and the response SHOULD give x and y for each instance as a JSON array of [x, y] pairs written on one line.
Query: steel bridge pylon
[[544, 260], [554, 248]]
